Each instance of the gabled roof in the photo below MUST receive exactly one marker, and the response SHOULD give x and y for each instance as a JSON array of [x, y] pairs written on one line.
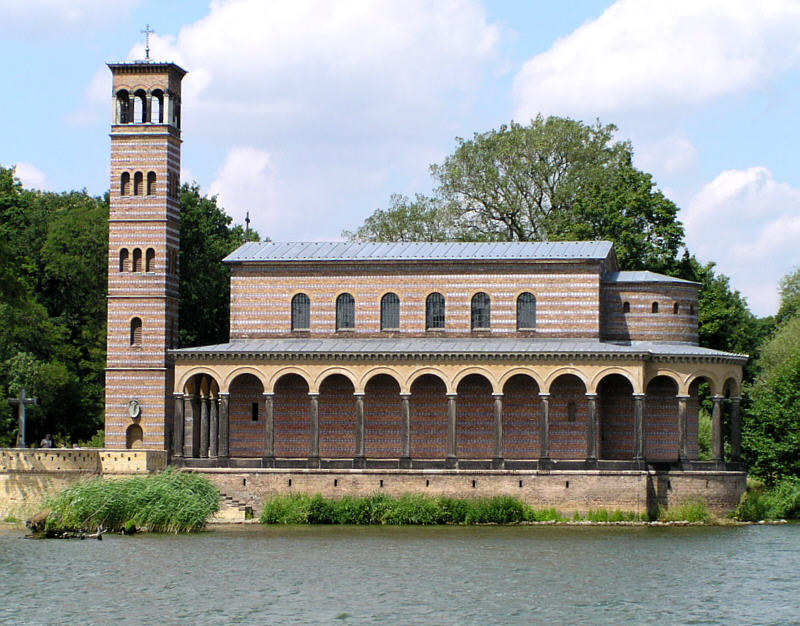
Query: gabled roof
[[643, 277], [269, 251]]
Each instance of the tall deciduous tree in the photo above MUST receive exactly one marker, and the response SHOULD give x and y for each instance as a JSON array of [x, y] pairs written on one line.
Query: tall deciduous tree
[[207, 237]]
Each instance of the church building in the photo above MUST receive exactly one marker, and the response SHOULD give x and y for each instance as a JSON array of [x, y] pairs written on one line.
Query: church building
[[518, 359]]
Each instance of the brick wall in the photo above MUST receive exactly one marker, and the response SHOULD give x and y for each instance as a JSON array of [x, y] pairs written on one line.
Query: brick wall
[[292, 417], [640, 323], [428, 418], [475, 418], [522, 410], [616, 407], [661, 420], [247, 437], [382, 418], [569, 415], [337, 418]]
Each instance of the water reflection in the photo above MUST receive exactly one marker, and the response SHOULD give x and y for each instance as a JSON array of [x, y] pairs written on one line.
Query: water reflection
[[440, 575]]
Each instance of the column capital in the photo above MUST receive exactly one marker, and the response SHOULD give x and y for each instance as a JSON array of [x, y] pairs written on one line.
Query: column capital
[[224, 393], [268, 394], [544, 396], [736, 400], [451, 395], [718, 398], [639, 396], [683, 396], [178, 394], [592, 396], [405, 394], [359, 394], [497, 396], [313, 394]]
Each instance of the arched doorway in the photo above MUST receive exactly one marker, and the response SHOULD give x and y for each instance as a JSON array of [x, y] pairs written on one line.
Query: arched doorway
[[382, 417], [428, 418], [616, 407], [134, 438], [522, 414]]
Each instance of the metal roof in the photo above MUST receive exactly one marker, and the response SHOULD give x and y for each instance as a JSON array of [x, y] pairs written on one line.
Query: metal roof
[[643, 277], [419, 251], [455, 346]]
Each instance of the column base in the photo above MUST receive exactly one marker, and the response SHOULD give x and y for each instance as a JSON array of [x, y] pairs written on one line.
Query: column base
[[313, 462], [404, 462], [359, 462], [545, 463], [639, 464], [498, 463], [451, 462], [591, 463], [268, 461]]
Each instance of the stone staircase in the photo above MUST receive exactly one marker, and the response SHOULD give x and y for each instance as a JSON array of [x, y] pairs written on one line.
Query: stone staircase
[[231, 511]]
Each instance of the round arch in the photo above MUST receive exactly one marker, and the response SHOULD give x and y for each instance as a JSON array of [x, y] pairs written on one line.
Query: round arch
[[479, 371], [668, 374], [180, 386], [134, 437], [433, 372], [732, 382], [377, 371], [710, 377], [555, 374], [291, 369], [517, 371], [245, 369], [330, 371], [594, 384]]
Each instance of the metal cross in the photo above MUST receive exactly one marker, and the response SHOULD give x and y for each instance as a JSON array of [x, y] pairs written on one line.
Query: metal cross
[[22, 402], [147, 32]]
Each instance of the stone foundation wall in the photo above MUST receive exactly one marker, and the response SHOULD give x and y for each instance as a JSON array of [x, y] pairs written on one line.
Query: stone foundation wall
[[566, 491]]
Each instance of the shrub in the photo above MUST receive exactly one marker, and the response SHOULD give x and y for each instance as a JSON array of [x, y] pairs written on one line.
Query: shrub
[[543, 515], [497, 510], [413, 509], [291, 509], [604, 515], [172, 501], [779, 502]]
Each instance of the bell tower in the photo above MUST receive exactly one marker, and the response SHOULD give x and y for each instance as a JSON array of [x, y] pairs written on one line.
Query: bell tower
[[143, 238]]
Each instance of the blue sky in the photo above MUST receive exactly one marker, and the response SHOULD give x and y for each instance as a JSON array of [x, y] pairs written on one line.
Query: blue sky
[[310, 113]]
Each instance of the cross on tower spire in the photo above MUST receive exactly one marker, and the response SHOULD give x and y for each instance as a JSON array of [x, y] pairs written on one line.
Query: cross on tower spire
[[147, 32]]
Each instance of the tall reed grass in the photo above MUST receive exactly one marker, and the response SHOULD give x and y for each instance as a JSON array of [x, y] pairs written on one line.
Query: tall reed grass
[[171, 501]]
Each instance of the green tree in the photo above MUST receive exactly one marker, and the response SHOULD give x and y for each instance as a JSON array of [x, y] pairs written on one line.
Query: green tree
[[206, 238], [790, 296], [554, 179]]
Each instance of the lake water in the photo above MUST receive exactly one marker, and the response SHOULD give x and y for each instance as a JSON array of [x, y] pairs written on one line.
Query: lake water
[[439, 575]]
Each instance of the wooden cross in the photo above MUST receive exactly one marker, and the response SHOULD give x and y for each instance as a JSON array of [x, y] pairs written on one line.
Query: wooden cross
[[22, 402], [147, 32]]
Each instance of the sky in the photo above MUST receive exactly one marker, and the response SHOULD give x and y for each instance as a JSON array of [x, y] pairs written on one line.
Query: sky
[[309, 114]]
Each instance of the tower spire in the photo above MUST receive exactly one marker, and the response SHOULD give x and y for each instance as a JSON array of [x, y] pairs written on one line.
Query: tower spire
[[147, 32]]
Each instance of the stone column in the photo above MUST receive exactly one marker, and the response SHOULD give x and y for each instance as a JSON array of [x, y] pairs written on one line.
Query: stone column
[[213, 431], [736, 430], [192, 426], [204, 428], [638, 427], [177, 426], [358, 461], [591, 428], [716, 430], [313, 458], [224, 425], [405, 430], [452, 444], [683, 428], [544, 431], [269, 431], [498, 431]]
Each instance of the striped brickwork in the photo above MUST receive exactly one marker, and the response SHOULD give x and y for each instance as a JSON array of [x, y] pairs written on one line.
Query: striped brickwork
[[616, 418], [144, 227], [382, 418], [567, 296], [521, 414], [661, 411], [675, 320], [475, 418]]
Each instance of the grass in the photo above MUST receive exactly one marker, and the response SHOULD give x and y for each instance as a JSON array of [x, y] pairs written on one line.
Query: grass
[[694, 511], [171, 501], [10, 519], [416, 509], [781, 501]]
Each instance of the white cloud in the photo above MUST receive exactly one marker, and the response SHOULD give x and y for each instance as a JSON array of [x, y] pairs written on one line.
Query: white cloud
[[652, 54], [670, 154], [749, 223], [31, 176], [246, 182]]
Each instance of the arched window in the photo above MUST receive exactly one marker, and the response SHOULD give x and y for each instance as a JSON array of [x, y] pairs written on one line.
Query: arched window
[[124, 110], [301, 312], [136, 331], [345, 312], [626, 307], [676, 308], [139, 107], [157, 107], [150, 260], [125, 184], [390, 312], [434, 311], [137, 260], [137, 184], [526, 311], [124, 260], [654, 307], [481, 311], [151, 183]]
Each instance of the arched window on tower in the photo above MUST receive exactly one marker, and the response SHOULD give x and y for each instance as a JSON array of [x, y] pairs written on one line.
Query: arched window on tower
[[301, 312], [526, 311], [139, 106], [151, 183], [676, 308], [626, 307], [125, 184], [390, 312], [434, 311], [136, 331], [654, 307], [157, 107], [138, 183], [124, 260], [137, 260], [345, 312], [481, 311], [124, 113], [150, 260]]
